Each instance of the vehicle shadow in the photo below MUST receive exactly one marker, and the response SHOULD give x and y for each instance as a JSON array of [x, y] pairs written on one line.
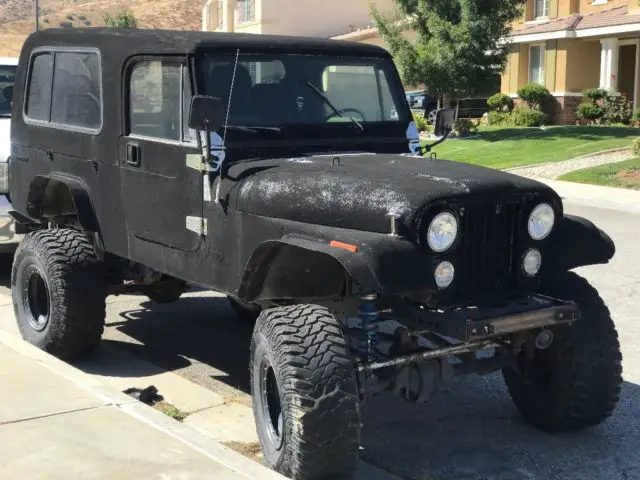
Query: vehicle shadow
[[6, 261], [469, 430]]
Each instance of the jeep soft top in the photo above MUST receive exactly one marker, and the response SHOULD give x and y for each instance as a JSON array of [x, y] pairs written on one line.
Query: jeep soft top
[[287, 174]]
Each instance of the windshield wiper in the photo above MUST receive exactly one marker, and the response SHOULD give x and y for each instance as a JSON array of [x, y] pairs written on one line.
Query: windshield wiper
[[253, 129], [326, 100]]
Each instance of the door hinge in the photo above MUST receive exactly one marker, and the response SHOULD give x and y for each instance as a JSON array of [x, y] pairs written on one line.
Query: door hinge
[[197, 162], [197, 225]]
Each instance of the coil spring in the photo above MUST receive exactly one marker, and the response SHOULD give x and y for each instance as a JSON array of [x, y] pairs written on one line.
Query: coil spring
[[368, 316]]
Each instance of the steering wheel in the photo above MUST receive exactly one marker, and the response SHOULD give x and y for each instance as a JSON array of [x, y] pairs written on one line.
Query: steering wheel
[[345, 111]]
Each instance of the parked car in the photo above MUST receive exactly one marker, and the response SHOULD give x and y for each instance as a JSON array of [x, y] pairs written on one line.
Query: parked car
[[8, 237], [307, 200]]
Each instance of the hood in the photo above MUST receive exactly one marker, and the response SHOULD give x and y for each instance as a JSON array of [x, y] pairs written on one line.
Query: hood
[[5, 139], [358, 191]]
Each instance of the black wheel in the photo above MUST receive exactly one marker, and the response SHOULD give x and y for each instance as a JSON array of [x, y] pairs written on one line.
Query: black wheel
[[305, 395], [431, 116], [245, 311], [575, 382], [59, 293]]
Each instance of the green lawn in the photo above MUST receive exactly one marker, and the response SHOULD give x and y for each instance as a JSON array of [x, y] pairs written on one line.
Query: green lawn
[[622, 174], [514, 147]]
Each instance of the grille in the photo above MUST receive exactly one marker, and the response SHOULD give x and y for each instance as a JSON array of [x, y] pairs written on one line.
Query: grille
[[489, 238]]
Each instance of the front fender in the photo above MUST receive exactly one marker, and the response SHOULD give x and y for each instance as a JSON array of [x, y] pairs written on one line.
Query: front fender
[[577, 242]]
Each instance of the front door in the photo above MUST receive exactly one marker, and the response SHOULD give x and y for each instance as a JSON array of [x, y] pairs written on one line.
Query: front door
[[627, 71], [159, 190]]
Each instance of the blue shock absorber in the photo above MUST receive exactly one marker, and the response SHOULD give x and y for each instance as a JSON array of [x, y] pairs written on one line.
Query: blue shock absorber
[[368, 316]]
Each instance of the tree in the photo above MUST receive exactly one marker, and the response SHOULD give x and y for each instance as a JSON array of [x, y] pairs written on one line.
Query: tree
[[122, 19], [456, 49]]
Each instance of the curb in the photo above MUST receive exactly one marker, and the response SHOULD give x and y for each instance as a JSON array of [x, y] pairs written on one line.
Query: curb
[[143, 413]]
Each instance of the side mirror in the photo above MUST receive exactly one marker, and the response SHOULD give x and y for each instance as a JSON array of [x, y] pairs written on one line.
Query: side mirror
[[445, 117], [206, 113]]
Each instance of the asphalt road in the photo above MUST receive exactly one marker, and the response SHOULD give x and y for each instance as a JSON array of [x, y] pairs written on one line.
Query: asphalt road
[[470, 430]]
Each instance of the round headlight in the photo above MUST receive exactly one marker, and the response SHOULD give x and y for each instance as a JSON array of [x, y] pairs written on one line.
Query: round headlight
[[444, 274], [541, 221], [531, 262], [442, 232]]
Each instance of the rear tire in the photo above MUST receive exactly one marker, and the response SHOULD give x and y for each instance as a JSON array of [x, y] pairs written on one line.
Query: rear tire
[[575, 383], [59, 293], [305, 394]]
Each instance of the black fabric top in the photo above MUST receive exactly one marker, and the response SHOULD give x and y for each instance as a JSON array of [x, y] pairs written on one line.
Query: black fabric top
[[181, 41]]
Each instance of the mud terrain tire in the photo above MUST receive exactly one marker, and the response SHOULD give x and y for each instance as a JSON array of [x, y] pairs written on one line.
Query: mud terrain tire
[[575, 383], [59, 293], [309, 424]]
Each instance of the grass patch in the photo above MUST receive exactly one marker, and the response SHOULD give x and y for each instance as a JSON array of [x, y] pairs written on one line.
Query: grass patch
[[509, 147], [170, 411], [620, 174]]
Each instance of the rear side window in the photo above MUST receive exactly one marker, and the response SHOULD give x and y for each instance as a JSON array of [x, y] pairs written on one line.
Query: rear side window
[[65, 90]]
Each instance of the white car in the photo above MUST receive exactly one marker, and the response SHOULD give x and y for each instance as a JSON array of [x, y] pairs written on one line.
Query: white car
[[8, 238]]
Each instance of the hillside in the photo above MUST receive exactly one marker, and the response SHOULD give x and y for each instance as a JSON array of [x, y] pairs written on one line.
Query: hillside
[[17, 17]]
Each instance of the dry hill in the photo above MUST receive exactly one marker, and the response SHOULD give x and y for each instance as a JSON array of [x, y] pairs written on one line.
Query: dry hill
[[17, 17]]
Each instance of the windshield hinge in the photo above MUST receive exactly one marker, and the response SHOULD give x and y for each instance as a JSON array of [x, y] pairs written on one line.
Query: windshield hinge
[[197, 162]]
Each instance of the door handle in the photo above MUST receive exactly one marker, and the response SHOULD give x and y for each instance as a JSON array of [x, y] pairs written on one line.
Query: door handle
[[133, 155]]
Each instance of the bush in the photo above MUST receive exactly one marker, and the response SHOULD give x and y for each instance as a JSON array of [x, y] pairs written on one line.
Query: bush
[[617, 109], [46, 20], [420, 122], [595, 94], [500, 102], [463, 127], [87, 22], [66, 24], [635, 147], [529, 117], [70, 17], [500, 118], [590, 111], [536, 96], [82, 17]]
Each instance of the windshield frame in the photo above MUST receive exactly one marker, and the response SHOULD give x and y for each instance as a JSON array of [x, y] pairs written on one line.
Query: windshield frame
[[383, 61]]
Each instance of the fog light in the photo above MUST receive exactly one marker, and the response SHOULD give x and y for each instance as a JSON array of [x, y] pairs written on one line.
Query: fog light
[[444, 274], [531, 262]]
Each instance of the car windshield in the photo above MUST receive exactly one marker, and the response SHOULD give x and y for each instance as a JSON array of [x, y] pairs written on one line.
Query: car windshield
[[280, 90], [7, 79]]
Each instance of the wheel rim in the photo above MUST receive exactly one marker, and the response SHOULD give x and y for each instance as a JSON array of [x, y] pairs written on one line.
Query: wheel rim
[[431, 117], [36, 299], [271, 405]]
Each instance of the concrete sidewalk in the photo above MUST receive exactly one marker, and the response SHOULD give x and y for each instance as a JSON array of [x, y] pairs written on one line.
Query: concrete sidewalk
[[597, 196], [56, 423]]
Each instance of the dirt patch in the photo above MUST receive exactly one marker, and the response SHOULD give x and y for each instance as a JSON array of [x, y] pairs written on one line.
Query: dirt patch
[[250, 450], [240, 399], [629, 176]]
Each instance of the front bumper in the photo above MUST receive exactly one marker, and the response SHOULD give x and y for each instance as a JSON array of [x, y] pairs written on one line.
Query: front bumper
[[9, 239]]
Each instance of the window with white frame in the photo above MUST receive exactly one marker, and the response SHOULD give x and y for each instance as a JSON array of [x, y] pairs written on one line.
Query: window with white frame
[[246, 11], [536, 64], [540, 8]]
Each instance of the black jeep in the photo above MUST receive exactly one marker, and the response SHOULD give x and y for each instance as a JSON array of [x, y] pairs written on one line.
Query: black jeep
[[287, 174]]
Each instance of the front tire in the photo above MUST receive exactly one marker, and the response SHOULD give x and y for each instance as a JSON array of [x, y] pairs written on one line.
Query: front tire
[[59, 293], [305, 394], [575, 383]]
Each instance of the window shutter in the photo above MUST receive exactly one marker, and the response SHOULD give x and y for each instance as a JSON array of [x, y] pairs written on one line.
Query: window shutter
[[550, 65]]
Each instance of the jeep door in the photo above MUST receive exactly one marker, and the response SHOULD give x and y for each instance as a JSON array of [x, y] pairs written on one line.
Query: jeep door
[[161, 195]]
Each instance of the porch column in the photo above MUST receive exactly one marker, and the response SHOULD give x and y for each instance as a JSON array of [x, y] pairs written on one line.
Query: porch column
[[609, 64], [229, 14]]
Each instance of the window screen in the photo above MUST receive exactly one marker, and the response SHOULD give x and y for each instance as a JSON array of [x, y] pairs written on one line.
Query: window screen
[[76, 90], [39, 93]]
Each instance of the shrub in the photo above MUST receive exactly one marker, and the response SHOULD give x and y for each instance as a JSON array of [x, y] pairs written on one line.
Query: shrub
[[536, 96], [420, 122], [595, 94], [500, 102], [87, 22], [70, 17], [524, 116], [617, 109], [66, 24], [464, 126], [500, 118], [635, 147], [46, 20], [82, 17], [590, 111]]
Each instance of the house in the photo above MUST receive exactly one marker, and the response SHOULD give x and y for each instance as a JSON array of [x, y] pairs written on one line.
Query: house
[[311, 18], [571, 45]]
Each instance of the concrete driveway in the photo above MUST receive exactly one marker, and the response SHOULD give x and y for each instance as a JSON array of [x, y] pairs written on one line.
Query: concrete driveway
[[469, 431]]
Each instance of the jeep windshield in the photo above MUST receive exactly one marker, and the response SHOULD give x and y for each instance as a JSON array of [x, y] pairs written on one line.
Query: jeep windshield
[[295, 95], [7, 80]]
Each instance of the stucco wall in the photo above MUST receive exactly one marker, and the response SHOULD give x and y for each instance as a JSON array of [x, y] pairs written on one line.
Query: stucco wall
[[583, 65], [586, 6]]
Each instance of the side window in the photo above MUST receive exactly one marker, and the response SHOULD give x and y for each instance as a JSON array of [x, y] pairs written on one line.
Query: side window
[[76, 90], [39, 93], [157, 101]]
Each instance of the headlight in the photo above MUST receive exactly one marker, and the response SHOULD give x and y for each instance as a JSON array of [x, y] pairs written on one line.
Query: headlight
[[531, 262], [442, 232], [4, 178], [541, 221], [444, 274]]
